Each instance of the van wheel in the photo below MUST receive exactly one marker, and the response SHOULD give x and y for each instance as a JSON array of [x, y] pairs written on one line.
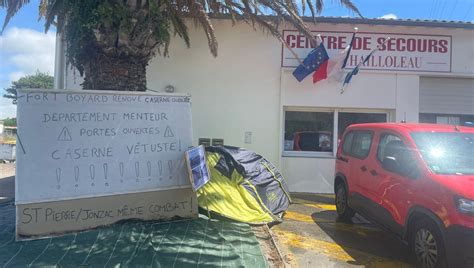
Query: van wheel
[[344, 212], [427, 244]]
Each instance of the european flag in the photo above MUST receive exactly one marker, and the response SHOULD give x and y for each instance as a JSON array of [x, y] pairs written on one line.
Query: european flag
[[311, 63], [356, 69]]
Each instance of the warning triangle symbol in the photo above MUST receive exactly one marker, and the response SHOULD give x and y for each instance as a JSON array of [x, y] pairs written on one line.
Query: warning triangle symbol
[[64, 135], [168, 133]]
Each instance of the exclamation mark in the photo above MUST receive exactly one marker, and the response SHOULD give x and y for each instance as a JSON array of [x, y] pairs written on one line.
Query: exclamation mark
[[76, 175], [170, 168], [106, 169], [121, 171], [137, 170], [58, 177], [148, 163], [160, 169], [92, 173]]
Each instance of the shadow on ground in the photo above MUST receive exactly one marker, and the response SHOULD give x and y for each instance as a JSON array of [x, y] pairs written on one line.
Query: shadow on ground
[[365, 242]]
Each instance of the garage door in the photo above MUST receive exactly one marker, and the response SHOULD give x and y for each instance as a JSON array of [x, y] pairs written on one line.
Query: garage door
[[447, 96]]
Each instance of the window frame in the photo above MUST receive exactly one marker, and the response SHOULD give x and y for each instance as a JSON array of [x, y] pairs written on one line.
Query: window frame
[[308, 154]]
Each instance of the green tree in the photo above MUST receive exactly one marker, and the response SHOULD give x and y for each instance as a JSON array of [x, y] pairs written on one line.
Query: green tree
[[111, 42], [38, 80], [9, 122]]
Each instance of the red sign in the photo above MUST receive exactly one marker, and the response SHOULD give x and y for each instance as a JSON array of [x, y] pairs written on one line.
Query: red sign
[[403, 52]]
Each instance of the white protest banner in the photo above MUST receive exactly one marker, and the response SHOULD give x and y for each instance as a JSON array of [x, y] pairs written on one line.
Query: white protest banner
[[91, 144]]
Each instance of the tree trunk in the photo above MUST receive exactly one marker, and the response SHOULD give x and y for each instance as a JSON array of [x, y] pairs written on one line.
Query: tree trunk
[[105, 72]]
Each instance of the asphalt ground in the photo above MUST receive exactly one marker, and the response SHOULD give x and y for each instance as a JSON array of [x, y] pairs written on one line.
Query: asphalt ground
[[311, 236], [7, 182]]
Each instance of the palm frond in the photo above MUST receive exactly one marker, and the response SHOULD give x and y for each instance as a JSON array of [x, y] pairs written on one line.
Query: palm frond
[[311, 7], [201, 15], [12, 7], [253, 12], [351, 6], [52, 9], [319, 6], [180, 28]]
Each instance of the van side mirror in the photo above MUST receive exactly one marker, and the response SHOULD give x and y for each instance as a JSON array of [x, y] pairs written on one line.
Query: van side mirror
[[391, 164]]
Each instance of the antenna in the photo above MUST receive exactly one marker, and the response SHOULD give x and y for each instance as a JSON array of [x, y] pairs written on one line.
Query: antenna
[[404, 118]]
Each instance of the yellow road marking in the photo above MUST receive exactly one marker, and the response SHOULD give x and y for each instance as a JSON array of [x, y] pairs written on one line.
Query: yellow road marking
[[291, 215], [318, 205], [321, 206], [334, 251]]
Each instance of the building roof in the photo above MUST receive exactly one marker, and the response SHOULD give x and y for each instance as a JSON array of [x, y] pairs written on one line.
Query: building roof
[[398, 22], [395, 22]]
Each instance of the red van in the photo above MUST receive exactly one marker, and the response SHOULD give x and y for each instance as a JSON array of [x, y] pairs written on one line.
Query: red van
[[416, 180]]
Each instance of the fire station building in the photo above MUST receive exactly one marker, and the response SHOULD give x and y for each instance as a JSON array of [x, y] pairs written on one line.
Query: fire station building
[[248, 97]]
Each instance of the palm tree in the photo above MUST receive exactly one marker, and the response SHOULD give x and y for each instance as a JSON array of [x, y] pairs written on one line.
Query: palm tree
[[111, 42]]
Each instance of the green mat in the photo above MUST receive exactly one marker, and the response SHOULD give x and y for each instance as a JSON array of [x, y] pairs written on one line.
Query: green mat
[[193, 243]]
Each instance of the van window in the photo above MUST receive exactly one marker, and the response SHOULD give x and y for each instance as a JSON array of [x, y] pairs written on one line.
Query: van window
[[447, 152], [346, 147], [361, 144], [390, 140], [392, 146]]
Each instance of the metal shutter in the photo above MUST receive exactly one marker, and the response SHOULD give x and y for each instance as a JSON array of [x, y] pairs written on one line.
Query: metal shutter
[[447, 95]]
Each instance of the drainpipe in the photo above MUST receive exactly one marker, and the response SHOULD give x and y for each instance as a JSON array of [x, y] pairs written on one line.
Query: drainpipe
[[59, 66]]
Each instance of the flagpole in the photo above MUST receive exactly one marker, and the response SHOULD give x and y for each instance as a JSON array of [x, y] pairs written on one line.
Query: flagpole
[[292, 52], [320, 39], [377, 48]]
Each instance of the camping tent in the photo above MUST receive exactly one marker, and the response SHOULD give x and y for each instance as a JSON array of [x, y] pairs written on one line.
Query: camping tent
[[244, 186]]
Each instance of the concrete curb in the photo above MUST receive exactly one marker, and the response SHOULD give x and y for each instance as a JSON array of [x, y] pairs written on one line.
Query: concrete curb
[[286, 265]]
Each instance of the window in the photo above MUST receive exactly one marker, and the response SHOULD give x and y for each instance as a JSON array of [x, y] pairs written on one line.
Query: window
[[460, 120], [387, 139], [448, 120], [393, 147], [309, 131], [361, 144], [346, 119]]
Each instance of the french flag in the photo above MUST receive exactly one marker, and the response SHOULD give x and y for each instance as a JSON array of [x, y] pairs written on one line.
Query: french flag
[[333, 67]]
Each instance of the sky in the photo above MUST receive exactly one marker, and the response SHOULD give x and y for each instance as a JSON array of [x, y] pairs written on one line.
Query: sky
[[25, 48]]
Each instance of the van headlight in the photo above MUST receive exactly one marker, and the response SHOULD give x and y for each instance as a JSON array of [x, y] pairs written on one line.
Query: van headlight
[[465, 206]]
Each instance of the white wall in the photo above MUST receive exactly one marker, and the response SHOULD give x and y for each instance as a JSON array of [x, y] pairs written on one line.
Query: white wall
[[309, 175], [236, 92], [245, 89]]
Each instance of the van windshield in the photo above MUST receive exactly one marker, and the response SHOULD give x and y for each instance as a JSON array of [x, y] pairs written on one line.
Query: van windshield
[[447, 153]]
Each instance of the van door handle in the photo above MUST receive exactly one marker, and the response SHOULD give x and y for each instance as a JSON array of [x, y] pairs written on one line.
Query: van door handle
[[344, 159], [374, 172], [363, 168]]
